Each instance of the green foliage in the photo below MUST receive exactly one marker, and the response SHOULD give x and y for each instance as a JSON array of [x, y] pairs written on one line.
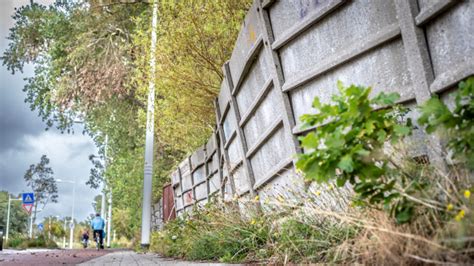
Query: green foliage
[[192, 47], [14, 242], [54, 226], [458, 124], [24, 243], [220, 233], [348, 146], [92, 64], [212, 233], [40, 179], [311, 241], [18, 217]]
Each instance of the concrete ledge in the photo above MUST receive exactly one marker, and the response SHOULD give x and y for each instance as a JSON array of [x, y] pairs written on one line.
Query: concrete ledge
[[267, 3], [257, 101], [433, 10], [450, 78], [283, 165], [267, 134], [251, 56], [231, 138], [224, 113]]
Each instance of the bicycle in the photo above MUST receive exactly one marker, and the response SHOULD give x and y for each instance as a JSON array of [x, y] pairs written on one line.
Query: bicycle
[[84, 242], [97, 240]]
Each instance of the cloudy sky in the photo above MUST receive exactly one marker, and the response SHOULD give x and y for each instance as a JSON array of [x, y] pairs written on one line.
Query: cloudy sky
[[23, 139]]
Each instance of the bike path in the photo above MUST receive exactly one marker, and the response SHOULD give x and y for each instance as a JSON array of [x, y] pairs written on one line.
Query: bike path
[[133, 258]]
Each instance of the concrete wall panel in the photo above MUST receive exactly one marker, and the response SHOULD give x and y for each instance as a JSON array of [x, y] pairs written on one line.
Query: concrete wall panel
[[224, 96], [198, 157], [201, 191], [187, 182], [269, 155], [199, 175], [265, 115], [214, 183], [316, 43], [288, 13], [285, 188], [349, 24], [177, 190], [253, 82], [230, 124], [246, 40], [451, 39], [384, 69], [175, 177], [235, 153], [240, 180], [179, 203]]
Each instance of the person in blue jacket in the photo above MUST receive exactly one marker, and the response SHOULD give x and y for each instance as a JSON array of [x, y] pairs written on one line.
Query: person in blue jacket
[[98, 225]]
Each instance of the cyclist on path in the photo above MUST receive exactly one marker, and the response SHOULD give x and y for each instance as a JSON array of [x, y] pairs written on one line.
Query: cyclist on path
[[98, 225]]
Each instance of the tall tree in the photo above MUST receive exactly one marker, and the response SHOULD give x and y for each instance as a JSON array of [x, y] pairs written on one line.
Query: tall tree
[[91, 62], [40, 179]]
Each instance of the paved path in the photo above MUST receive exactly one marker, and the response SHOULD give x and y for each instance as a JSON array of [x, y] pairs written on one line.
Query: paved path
[[39, 257], [131, 258]]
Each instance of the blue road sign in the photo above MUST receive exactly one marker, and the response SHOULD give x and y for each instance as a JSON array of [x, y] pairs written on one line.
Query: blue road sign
[[28, 198], [40, 227]]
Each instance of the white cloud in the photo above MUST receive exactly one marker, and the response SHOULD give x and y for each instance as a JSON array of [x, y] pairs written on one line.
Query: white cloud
[[68, 156]]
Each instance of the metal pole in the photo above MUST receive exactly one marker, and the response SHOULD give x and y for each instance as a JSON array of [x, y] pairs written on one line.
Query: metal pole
[[109, 219], [148, 173], [8, 217], [71, 232], [103, 208], [64, 237], [30, 234], [49, 228]]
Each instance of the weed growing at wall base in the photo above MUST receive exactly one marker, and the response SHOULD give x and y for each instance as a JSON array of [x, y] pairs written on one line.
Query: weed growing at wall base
[[348, 146], [219, 232]]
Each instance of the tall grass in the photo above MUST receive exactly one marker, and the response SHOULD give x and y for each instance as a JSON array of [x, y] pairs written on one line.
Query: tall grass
[[314, 223]]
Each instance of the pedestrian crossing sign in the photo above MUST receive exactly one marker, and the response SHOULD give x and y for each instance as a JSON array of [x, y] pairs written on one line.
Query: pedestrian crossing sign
[[28, 198]]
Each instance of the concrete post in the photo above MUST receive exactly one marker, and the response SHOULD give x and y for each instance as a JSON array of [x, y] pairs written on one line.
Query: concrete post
[[420, 68]]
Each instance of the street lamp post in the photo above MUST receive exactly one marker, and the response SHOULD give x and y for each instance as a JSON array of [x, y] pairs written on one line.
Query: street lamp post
[[8, 216], [104, 185], [109, 219], [71, 230], [64, 237], [149, 137]]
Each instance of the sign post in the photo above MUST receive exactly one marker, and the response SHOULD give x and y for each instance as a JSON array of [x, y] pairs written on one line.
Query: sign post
[[40, 227], [28, 202]]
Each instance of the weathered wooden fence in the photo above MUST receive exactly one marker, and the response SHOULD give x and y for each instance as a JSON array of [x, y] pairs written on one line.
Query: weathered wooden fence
[[290, 51]]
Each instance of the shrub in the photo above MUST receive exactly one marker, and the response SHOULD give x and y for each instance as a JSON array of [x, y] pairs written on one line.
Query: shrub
[[458, 124], [15, 242], [24, 243], [348, 146]]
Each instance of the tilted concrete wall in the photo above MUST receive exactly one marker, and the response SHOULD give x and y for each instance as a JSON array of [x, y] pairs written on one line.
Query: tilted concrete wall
[[290, 51]]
